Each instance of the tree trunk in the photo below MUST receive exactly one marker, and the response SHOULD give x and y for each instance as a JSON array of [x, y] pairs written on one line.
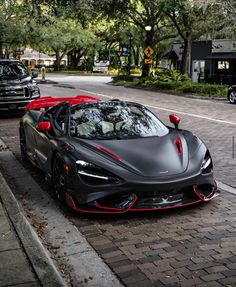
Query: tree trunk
[[57, 62], [136, 56], [78, 57], [1, 50], [157, 61], [75, 56], [148, 43], [184, 66]]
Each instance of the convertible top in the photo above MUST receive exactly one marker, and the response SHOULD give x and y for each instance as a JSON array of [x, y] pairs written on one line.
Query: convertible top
[[47, 102]]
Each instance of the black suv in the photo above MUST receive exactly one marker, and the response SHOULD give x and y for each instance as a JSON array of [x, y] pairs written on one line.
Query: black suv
[[17, 87]]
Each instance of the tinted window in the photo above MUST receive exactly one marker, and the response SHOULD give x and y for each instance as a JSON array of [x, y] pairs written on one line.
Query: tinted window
[[13, 69], [114, 120]]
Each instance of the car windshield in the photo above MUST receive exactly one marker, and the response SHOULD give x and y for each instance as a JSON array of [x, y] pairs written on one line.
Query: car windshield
[[13, 70], [109, 120]]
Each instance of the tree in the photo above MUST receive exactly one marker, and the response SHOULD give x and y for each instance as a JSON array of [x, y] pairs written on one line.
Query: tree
[[139, 13], [12, 26], [226, 25], [63, 36], [192, 19]]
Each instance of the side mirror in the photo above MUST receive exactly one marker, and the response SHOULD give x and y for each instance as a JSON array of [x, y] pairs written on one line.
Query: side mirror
[[43, 126], [34, 74], [174, 119]]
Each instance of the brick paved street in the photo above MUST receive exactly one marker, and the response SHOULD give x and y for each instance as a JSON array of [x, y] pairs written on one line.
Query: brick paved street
[[194, 246], [188, 247]]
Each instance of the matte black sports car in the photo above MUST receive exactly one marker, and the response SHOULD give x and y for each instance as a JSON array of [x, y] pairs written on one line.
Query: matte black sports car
[[115, 156]]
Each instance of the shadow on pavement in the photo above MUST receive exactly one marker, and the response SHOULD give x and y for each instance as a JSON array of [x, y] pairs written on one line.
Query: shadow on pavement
[[11, 114]]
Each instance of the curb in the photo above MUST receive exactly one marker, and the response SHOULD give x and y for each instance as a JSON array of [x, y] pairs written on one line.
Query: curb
[[38, 256], [226, 187]]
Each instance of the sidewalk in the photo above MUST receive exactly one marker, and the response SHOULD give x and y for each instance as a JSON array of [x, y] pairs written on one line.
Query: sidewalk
[[23, 259], [15, 268], [58, 253]]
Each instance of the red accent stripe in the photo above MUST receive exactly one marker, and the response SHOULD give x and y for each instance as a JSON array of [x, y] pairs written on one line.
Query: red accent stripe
[[73, 205], [117, 209], [109, 210], [178, 144], [209, 197], [116, 157]]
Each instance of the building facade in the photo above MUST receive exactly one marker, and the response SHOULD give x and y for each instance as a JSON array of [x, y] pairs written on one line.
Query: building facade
[[210, 61]]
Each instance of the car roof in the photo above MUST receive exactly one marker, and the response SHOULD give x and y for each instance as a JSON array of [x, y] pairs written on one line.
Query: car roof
[[9, 61]]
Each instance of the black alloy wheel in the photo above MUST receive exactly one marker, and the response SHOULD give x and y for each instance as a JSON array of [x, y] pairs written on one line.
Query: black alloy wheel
[[232, 97], [59, 178]]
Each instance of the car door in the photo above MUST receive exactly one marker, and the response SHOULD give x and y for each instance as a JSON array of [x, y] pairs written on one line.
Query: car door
[[48, 141], [29, 131]]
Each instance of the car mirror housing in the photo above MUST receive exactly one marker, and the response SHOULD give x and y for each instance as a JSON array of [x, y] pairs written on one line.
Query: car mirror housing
[[43, 126], [34, 74], [174, 119]]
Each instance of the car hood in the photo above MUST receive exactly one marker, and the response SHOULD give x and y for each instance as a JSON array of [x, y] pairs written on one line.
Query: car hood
[[5, 82], [153, 156]]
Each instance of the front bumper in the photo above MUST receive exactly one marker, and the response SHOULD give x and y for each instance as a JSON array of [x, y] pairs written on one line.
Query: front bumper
[[14, 97], [143, 197]]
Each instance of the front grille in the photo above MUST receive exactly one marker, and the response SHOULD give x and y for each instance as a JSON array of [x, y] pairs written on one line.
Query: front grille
[[160, 199], [12, 93]]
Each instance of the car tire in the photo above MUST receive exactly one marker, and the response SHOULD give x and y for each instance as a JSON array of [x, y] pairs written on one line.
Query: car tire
[[23, 152], [232, 97], [59, 178]]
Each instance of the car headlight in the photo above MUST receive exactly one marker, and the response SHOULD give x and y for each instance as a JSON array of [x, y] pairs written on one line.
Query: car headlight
[[93, 174], [207, 165]]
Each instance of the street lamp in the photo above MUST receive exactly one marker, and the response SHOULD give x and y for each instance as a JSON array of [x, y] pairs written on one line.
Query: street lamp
[[148, 28]]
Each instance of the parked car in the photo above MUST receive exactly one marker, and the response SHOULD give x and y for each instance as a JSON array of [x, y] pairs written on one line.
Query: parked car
[[232, 94], [17, 86], [115, 156]]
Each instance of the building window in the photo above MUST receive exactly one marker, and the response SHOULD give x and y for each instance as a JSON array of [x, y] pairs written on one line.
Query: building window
[[223, 65]]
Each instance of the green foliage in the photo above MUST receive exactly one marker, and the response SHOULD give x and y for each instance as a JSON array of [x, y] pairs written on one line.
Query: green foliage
[[192, 20], [112, 71], [62, 36], [187, 87], [171, 80], [125, 77], [12, 25], [165, 75], [136, 71], [203, 89]]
